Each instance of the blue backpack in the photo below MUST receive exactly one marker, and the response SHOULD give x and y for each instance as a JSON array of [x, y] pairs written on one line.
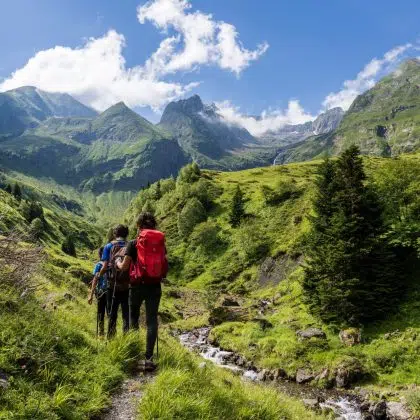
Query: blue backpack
[[102, 285]]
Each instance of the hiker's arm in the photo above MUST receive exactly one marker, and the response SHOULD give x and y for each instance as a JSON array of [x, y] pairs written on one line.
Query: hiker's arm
[[103, 269], [92, 288], [125, 264]]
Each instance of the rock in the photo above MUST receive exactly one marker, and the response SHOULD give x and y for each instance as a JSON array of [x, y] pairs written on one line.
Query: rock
[[311, 403], [241, 361], [229, 301], [262, 375], [379, 410], [221, 314], [310, 333], [303, 376], [68, 296], [397, 411], [280, 374], [350, 337], [274, 270], [263, 322], [348, 372]]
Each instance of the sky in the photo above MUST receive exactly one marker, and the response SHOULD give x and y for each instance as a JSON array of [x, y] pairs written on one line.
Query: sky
[[285, 61]]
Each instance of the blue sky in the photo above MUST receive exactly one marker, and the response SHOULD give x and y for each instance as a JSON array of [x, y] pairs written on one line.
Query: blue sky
[[312, 48]]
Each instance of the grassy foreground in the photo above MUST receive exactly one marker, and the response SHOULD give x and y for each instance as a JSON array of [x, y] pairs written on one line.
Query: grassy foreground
[[184, 389]]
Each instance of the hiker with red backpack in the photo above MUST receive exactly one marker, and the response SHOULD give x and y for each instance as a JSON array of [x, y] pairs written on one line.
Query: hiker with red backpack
[[145, 260], [118, 280]]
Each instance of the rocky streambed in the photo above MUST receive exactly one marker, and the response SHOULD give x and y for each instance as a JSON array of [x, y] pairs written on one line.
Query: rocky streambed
[[346, 405]]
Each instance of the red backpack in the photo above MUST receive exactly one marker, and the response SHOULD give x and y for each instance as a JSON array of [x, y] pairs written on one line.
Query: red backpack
[[151, 265]]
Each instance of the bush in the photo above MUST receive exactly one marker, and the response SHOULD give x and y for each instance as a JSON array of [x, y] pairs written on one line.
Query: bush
[[68, 246], [37, 228], [282, 192], [205, 237], [31, 210], [192, 214]]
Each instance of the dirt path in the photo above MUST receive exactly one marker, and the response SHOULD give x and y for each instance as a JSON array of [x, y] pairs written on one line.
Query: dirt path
[[125, 401]]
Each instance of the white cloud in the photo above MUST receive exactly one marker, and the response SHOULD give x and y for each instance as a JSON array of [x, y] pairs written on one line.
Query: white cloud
[[97, 75], [365, 80], [201, 40], [270, 120]]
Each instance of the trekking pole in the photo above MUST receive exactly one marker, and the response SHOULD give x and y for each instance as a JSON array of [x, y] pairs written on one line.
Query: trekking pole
[[112, 305]]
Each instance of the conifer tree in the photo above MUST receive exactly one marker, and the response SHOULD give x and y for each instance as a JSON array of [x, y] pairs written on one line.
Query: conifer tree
[[8, 188], [158, 192], [237, 211], [351, 275]]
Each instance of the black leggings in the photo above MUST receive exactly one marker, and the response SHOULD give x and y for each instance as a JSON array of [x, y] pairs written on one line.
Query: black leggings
[[120, 299], [150, 294], [102, 310]]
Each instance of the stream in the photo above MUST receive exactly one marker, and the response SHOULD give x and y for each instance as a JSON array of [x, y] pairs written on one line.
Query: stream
[[345, 406]]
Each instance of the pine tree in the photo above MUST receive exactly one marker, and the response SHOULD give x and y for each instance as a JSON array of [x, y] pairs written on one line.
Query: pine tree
[[237, 211], [17, 192], [351, 275], [158, 192], [8, 188]]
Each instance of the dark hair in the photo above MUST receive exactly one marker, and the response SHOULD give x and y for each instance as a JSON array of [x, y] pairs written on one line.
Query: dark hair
[[146, 220], [120, 231], [100, 252]]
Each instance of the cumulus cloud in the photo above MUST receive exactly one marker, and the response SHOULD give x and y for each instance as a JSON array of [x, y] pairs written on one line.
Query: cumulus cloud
[[366, 79], [97, 75], [270, 120], [200, 39]]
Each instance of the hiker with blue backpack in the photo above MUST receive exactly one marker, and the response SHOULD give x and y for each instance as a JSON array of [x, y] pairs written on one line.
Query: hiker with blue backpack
[[117, 280], [99, 289], [145, 260]]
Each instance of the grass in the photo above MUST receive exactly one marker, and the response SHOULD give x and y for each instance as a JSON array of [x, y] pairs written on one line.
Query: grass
[[185, 390]]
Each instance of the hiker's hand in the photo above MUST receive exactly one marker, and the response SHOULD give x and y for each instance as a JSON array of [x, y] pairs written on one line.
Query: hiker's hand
[[90, 299]]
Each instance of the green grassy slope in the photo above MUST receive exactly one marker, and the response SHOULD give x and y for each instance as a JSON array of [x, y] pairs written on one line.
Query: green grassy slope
[[51, 364], [384, 121], [216, 260]]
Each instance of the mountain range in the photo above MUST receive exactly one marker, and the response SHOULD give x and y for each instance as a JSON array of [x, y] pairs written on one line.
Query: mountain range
[[53, 135], [383, 121]]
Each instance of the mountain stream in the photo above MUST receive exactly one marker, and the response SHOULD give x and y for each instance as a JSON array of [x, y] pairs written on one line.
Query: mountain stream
[[345, 406]]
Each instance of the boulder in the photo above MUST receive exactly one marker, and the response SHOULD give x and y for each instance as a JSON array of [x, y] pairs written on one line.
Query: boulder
[[274, 270], [348, 372], [351, 336], [397, 411], [280, 374], [379, 410], [310, 333], [263, 375], [311, 403], [304, 376]]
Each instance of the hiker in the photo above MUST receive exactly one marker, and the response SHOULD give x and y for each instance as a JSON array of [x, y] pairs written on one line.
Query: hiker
[[99, 288], [118, 280], [145, 258]]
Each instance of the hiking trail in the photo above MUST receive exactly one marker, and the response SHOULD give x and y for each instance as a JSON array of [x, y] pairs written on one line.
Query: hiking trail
[[126, 400]]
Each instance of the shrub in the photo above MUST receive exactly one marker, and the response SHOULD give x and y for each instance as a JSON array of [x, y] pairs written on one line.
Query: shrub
[[37, 228], [192, 214], [68, 246]]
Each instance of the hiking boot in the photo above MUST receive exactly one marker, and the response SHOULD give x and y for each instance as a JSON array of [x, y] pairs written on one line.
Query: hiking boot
[[149, 365]]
